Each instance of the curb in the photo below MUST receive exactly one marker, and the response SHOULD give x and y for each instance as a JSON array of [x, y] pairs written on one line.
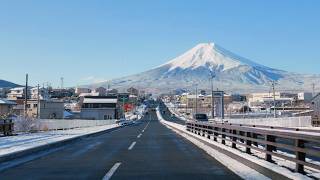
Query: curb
[[27, 152]]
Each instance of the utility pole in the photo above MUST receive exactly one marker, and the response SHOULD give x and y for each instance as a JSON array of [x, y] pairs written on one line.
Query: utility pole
[[26, 98], [61, 83], [196, 98], [38, 103], [212, 94], [313, 89], [274, 99]]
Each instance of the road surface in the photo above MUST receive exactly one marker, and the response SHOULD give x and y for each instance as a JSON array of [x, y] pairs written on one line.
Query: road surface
[[144, 151]]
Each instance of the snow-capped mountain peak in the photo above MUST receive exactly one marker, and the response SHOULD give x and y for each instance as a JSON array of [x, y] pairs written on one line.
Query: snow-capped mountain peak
[[208, 55]]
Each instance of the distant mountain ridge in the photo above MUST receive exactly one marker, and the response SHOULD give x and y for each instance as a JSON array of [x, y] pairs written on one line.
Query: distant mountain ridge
[[232, 72], [7, 84]]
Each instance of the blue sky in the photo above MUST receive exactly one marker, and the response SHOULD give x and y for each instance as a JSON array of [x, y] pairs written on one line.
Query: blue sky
[[90, 41]]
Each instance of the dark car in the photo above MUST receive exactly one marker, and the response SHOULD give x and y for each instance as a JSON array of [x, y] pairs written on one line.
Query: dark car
[[200, 117]]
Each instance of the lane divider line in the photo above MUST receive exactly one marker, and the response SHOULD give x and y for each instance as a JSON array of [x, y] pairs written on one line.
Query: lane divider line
[[111, 171], [132, 145], [139, 135]]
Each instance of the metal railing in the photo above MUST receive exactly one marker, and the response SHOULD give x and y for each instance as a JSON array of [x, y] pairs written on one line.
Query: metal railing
[[6, 127], [271, 142]]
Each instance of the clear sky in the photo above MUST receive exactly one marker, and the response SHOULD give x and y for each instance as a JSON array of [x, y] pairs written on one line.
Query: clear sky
[[90, 41]]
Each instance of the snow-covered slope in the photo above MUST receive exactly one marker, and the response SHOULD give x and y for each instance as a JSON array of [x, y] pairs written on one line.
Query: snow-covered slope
[[232, 72]]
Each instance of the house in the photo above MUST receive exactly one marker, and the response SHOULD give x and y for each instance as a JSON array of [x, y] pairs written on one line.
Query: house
[[101, 91], [47, 109], [305, 96], [3, 92], [112, 92], [99, 108], [82, 90], [43, 93], [6, 106], [133, 91], [17, 93], [315, 106]]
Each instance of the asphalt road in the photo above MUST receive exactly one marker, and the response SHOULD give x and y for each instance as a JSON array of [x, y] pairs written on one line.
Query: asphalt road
[[166, 114], [145, 151]]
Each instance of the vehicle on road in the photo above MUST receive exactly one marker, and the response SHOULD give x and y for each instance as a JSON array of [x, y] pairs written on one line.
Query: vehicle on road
[[200, 117]]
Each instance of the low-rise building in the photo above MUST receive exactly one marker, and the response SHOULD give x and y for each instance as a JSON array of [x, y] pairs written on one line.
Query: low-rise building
[[17, 93], [82, 90], [6, 107], [267, 99], [305, 96], [101, 91], [3, 92], [47, 109], [99, 107], [43, 93], [133, 91]]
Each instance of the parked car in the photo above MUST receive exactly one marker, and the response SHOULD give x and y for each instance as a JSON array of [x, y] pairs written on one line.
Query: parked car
[[200, 117]]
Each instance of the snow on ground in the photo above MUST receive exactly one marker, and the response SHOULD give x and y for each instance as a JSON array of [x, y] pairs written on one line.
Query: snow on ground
[[243, 171], [24, 141]]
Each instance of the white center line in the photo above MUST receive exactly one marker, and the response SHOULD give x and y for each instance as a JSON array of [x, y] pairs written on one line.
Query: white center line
[[111, 171], [131, 146], [139, 135]]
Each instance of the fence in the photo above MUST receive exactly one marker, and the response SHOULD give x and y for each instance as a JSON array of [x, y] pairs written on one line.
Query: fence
[[267, 141]]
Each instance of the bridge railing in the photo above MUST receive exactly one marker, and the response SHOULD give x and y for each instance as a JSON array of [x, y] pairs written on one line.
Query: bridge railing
[[297, 145]]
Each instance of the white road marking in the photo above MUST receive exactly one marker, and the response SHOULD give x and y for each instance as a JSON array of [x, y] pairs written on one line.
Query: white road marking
[[131, 146], [111, 171], [139, 135]]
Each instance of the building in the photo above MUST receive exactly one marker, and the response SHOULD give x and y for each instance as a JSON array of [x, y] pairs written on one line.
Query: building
[[17, 93], [101, 91], [48, 109], [267, 99], [82, 90], [305, 96], [99, 107], [3, 92], [315, 106], [43, 93], [133, 91], [112, 92], [61, 93], [6, 107]]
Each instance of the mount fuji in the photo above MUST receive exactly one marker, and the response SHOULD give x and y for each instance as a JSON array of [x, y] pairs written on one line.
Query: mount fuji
[[231, 72]]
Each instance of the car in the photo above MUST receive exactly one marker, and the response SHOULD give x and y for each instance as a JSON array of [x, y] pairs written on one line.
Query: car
[[200, 117]]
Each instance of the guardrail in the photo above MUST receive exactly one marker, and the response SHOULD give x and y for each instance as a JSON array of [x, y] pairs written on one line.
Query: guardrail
[[6, 127], [264, 140]]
